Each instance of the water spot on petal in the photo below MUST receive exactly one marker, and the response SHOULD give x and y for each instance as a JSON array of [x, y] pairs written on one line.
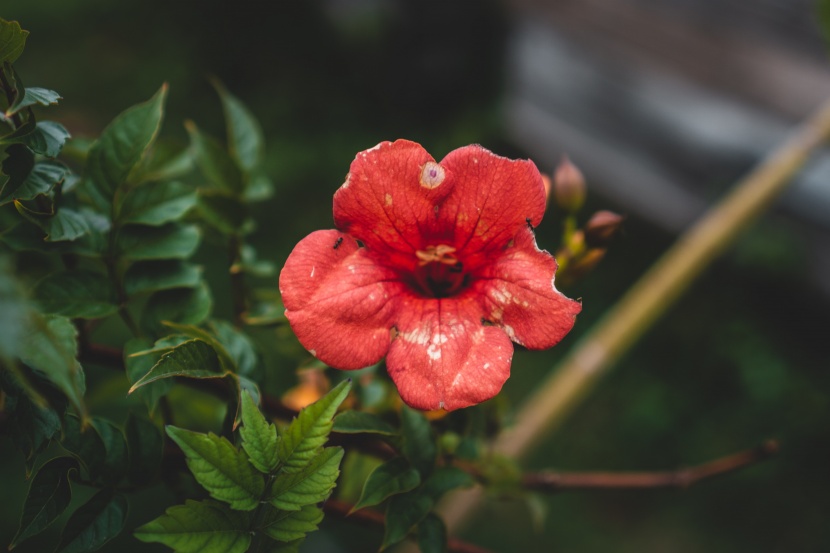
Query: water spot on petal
[[434, 352], [432, 175]]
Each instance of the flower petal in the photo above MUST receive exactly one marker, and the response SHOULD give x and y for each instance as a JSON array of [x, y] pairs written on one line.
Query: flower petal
[[444, 358], [518, 293], [491, 199], [338, 300], [388, 195]]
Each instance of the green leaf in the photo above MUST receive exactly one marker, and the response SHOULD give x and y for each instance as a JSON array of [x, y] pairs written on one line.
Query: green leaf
[[403, 513], [12, 40], [65, 224], [31, 427], [251, 265], [214, 161], [288, 526], [432, 535], [138, 366], [46, 139], [156, 203], [150, 276], [192, 359], [199, 527], [360, 422], [185, 306], [245, 141], [14, 310], [418, 444], [49, 495], [115, 462], [277, 547], [43, 177], [313, 484], [309, 431], [222, 211], [259, 188], [33, 95], [445, 479], [51, 347], [259, 438], [76, 294], [94, 523], [220, 468], [165, 161], [84, 443], [121, 147], [145, 445], [391, 478], [17, 165], [238, 345], [170, 241]]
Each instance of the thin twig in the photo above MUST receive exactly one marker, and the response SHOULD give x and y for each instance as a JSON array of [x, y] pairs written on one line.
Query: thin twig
[[550, 481], [369, 517]]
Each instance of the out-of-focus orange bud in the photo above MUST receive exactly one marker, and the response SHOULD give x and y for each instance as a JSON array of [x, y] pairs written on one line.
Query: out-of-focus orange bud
[[568, 186], [601, 228], [313, 385], [548, 186], [435, 415]]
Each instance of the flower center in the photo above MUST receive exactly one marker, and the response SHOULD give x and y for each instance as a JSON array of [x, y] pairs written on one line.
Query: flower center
[[439, 274]]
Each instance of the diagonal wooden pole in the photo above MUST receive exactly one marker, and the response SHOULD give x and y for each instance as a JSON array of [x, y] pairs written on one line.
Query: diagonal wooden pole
[[645, 302]]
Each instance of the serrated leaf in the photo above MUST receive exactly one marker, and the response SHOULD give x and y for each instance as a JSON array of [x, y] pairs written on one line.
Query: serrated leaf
[[214, 161], [245, 140], [156, 203], [25, 237], [220, 468], [49, 495], [94, 523], [185, 306], [145, 445], [418, 444], [115, 462], [43, 177], [34, 95], [198, 527], [192, 359], [312, 484], [51, 347], [151, 276], [288, 526], [432, 535], [121, 147], [137, 367], [166, 160], [76, 294], [259, 438], [391, 478], [46, 139], [277, 547], [12, 40], [403, 513], [360, 422], [169, 241], [310, 430]]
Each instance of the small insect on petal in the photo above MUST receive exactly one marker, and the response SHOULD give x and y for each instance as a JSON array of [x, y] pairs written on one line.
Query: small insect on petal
[[432, 175]]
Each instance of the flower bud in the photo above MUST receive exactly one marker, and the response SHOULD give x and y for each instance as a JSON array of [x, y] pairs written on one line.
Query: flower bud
[[601, 228], [569, 186]]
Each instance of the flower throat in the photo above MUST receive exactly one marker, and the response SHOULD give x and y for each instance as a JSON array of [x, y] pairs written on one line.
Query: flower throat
[[439, 273]]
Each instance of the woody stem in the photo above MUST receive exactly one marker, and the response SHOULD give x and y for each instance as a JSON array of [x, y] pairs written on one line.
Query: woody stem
[[647, 300]]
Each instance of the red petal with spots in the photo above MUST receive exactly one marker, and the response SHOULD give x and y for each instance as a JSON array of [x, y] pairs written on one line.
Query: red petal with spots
[[517, 292], [444, 358], [492, 198], [338, 301], [384, 202]]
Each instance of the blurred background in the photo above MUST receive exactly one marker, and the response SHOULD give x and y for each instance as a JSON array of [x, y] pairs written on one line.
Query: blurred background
[[662, 103]]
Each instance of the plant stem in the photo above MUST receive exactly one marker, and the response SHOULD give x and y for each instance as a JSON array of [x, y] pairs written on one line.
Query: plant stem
[[577, 374], [237, 280]]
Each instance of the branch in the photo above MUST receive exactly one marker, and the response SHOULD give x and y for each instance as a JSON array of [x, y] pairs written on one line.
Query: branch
[[369, 517], [577, 374], [549, 481]]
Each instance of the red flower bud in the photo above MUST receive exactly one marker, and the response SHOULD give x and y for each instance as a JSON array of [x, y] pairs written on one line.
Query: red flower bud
[[569, 186], [601, 228]]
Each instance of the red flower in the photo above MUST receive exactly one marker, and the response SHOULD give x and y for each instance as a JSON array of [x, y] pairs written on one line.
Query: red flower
[[434, 266]]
